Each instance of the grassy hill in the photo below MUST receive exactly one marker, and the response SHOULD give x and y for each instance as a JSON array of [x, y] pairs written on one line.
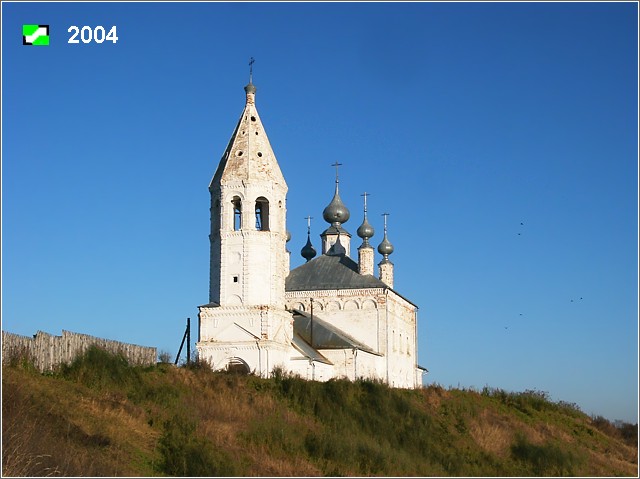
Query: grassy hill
[[101, 417]]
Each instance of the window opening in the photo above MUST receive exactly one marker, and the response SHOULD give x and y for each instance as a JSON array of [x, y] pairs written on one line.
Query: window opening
[[237, 213], [262, 214]]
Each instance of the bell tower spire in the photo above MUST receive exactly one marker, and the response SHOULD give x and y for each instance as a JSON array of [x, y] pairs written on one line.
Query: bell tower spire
[[249, 260]]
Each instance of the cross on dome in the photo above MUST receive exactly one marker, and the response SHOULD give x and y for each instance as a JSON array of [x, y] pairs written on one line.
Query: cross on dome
[[385, 248], [365, 230], [308, 252], [336, 212]]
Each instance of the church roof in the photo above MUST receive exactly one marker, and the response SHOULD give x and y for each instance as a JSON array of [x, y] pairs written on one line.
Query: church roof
[[325, 335], [334, 230], [330, 272]]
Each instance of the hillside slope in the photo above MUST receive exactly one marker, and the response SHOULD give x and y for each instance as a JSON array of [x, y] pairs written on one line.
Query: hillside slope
[[100, 417]]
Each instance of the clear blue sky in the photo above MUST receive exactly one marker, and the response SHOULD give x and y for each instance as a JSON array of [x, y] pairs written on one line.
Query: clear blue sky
[[463, 120]]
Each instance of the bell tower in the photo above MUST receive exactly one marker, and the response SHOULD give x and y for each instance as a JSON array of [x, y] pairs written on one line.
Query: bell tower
[[245, 316]]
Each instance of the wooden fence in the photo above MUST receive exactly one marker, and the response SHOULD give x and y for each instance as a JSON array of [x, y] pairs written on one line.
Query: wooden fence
[[48, 351]]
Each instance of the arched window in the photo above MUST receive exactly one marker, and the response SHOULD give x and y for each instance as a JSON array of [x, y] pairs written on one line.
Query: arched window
[[237, 366], [262, 214], [237, 213]]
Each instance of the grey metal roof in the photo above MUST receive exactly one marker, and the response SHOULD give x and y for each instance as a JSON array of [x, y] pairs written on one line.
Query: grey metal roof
[[325, 335], [307, 351], [330, 272], [334, 230]]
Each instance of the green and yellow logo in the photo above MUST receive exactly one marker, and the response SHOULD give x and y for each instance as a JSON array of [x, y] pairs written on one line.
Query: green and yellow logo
[[35, 35]]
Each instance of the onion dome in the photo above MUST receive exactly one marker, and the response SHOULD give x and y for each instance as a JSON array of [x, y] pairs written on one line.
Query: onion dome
[[250, 88], [308, 252], [385, 248], [288, 236], [365, 230], [336, 211], [337, 249]]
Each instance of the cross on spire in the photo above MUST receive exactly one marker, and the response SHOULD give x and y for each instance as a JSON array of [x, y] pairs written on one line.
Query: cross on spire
[[336, 164], [309, 218], [251, 62], [365, 194], [385, 222]]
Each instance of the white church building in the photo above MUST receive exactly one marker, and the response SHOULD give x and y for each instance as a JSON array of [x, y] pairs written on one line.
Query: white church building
[[328, 318]]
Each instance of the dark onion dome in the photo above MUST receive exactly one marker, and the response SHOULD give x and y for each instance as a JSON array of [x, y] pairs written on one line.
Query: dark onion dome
[[365, 231], [385, 248], [336, 211], [288, 236], [308, 252], [250, 88], [337, 249]]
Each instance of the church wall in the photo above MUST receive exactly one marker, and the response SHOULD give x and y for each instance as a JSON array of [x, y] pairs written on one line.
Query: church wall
[[355, 364], [311, 370], [260, 357], [401, 342], [384, 322], [228, 324], [354, 311]]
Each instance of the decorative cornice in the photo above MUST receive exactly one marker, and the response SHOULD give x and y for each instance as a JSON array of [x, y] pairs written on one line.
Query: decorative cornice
[[334, 293]]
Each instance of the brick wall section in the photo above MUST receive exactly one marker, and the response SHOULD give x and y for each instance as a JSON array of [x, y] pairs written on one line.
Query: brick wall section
[[48, 351]]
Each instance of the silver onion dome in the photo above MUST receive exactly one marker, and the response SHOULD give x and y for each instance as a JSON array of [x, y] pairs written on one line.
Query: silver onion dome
[[385, 248], [365, 231], [336, 211]]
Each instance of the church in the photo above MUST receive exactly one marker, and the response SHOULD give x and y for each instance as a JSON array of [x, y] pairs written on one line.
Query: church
[[331, 317]]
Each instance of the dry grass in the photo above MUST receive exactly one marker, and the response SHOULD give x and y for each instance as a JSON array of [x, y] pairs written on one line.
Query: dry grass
[[61, 425], [492, 433]]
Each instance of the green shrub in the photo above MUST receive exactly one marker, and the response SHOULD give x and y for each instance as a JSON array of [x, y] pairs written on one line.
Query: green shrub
[[543, 460], [629, 434], [100, 369], [184, 453]]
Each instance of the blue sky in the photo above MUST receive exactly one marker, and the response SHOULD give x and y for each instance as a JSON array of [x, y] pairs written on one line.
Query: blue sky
[[463, 120]]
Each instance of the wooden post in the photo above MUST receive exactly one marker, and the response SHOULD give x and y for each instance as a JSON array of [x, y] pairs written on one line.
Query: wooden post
[[188, 340], [185, 336]]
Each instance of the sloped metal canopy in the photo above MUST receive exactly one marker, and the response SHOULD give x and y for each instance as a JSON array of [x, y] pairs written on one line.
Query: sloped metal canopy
[[325, 335]]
